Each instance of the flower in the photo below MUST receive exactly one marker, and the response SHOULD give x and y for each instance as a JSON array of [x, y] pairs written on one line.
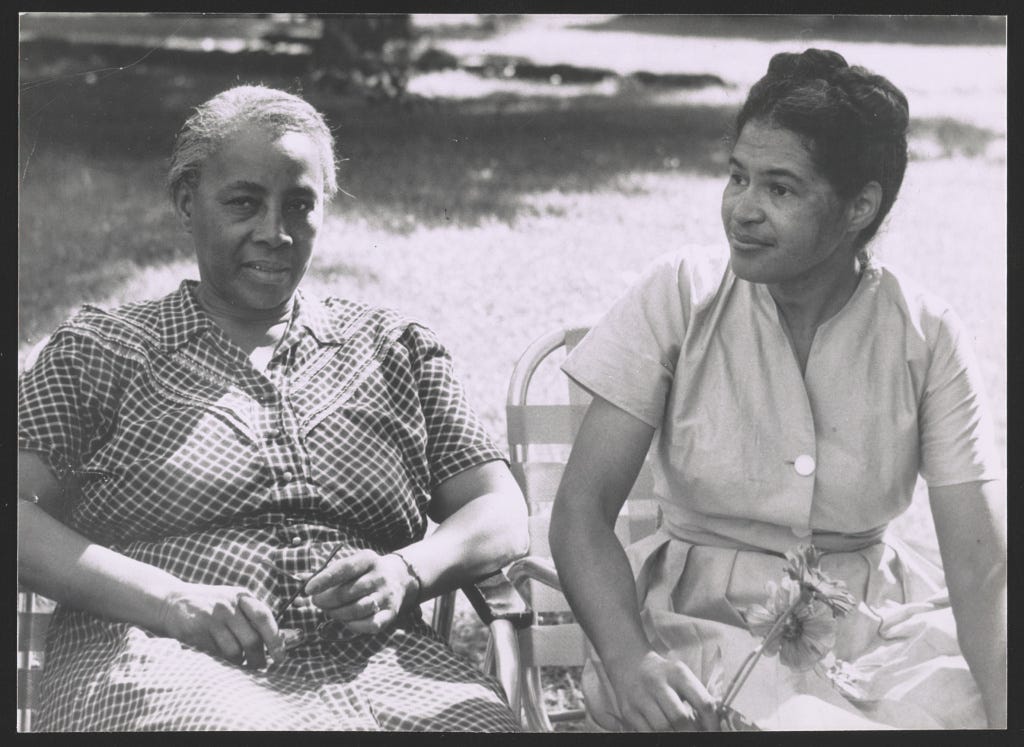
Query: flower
[[800, 630], [761, 619], [797, 622], [802, 567], [807, 635]]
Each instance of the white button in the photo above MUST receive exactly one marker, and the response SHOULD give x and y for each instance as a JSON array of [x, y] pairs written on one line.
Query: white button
[[804, 465], [296, 540]]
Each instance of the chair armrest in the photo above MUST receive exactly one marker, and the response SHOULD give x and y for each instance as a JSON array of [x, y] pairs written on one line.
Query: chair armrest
[[537, 568], [494, 598]]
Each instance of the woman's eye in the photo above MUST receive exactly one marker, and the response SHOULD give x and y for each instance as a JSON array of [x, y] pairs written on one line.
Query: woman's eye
[[779, 190], [302, 206], [242, 202], [737, 179]]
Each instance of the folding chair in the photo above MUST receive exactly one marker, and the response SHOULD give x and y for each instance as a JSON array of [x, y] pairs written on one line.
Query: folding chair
[[34, 614], [539, 437]]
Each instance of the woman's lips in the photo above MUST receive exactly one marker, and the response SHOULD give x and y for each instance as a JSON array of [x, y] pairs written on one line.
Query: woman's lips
[[266, 270], [746, 243]]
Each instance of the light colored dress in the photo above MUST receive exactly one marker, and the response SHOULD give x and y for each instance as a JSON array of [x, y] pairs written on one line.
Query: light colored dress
[[751, 458]]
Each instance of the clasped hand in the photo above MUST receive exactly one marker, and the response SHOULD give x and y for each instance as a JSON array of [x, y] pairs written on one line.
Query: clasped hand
[[227, 621], [365, 592]]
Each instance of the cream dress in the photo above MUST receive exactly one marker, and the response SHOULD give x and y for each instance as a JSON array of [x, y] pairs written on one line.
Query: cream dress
[[751, 458]]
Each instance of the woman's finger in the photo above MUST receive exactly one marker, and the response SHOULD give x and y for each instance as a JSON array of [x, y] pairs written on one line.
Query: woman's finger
[[637, 720], [339, 596], [262, 620], [693, 691], [226, 643], [249, 640], [371, 625], [678, 714], [341, 571], [363, 610]]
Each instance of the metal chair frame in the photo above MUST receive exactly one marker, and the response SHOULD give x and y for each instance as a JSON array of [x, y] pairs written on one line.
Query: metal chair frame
[[535, 577]]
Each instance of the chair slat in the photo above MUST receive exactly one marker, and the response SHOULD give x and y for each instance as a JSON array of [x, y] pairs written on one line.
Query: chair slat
[[28, 688], [552, 645], [32, 628], [540, 480], [544, 599], [539, 524], [543, 424]]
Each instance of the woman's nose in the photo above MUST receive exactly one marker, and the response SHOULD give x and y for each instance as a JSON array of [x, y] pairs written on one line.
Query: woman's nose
[[272, 229], [747, 208]]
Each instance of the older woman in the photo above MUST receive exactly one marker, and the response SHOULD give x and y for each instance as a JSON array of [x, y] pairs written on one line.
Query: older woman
[[227, 489], [795, 394]]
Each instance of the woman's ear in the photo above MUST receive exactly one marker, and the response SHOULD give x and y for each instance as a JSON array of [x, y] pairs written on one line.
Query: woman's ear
[[183, 205], [864, 206]]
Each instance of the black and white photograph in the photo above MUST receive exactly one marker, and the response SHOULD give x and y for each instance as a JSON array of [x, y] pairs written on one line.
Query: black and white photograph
[[511, 372]]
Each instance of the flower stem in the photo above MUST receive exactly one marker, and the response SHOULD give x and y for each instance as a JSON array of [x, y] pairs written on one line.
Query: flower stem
[[752, 658], [741, 675]]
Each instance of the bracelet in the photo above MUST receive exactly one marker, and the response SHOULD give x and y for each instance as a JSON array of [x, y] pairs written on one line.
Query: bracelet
[[412, 573]]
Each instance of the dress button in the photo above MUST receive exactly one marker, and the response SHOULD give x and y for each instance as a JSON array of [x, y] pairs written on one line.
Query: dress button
[[286, 477], [804, 465], [296, 540]]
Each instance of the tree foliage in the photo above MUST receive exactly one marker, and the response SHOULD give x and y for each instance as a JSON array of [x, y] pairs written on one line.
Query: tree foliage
[[368, 53]]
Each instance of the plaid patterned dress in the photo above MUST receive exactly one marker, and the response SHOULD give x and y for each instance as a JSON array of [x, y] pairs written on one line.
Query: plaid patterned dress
[[185, 457]]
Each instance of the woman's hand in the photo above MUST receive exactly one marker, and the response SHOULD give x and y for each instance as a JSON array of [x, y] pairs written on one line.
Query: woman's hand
[[658, 694], [225, 621], [364, 591]]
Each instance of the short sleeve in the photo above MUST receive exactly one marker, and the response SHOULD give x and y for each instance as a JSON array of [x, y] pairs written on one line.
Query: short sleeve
[[66, 401], [455, 437], [629, 357], [957, 437]]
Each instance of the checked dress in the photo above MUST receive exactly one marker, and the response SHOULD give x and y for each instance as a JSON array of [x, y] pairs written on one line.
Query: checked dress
[[178, 453]]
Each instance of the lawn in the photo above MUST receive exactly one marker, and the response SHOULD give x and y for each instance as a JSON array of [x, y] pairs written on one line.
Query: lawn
[[492, 220]]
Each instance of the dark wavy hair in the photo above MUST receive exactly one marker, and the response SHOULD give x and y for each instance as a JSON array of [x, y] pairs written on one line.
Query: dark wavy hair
[[853, 122]]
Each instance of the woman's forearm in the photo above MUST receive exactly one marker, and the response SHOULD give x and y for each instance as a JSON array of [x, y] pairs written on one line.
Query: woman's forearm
[[980, 611], [59, 563], [483, 535], [596, 576], [598, 582], [970, 525]]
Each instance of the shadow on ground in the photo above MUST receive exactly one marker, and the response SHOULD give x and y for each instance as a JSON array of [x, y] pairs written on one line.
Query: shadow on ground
[[94, 145], [472, 160]]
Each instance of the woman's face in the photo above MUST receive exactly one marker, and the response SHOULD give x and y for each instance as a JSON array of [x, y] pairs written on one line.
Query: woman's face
[[254, 217], [783, 219]]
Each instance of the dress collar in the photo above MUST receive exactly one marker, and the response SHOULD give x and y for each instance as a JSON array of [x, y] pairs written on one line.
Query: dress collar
[[182, 319]]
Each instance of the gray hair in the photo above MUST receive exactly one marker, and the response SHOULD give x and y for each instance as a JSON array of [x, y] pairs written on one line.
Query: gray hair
[[274, 110]]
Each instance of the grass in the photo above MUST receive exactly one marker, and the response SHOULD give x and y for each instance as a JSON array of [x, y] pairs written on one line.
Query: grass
[[491, 220]]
